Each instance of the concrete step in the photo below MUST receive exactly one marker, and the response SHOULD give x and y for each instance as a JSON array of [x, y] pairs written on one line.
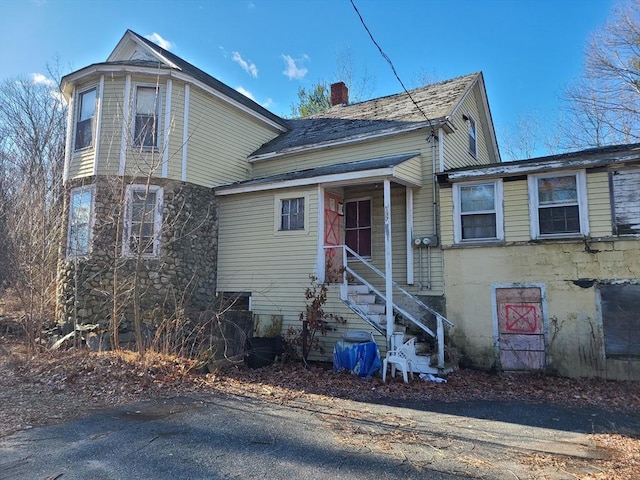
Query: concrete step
[[361, 298], [355, 289]]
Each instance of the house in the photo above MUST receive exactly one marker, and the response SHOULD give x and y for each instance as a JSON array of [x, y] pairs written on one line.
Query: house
[[542, 262], [180, 190]]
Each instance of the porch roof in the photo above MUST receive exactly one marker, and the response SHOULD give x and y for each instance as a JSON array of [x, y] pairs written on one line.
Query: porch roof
[[352, 172]]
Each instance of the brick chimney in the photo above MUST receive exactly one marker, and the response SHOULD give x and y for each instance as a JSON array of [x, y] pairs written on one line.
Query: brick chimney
[[339, 94]]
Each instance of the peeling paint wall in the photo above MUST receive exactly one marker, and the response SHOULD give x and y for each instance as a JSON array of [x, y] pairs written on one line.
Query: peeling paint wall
[[570, 272]]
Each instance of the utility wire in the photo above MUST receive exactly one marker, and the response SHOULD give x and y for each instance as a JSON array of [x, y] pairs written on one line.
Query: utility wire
[[393, 69]]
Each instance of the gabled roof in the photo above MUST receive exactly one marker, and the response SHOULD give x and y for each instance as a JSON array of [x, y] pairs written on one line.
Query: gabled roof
[[134, 50], [377, 117], [590, 158]]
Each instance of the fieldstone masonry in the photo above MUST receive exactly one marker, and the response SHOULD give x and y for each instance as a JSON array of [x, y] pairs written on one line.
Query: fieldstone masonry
[[181, 281]]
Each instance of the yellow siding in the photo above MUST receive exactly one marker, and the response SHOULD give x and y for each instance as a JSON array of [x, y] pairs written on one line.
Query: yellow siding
[[174, 170], [446, 216], [516, 211], [111, 125], [600, 221], [411, 170], [141, 162], [414, 142], [220, 139], [457, 143], [81, 162], [253, 256]]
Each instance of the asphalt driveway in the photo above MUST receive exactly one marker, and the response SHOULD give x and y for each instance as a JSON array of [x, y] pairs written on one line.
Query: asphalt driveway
[[216, 437]]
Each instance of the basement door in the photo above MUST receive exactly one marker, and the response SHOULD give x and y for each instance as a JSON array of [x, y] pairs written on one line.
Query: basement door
[[520, 328]]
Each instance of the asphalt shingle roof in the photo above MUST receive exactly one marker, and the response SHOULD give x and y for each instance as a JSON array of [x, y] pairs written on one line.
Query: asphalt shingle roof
[[437, 101]]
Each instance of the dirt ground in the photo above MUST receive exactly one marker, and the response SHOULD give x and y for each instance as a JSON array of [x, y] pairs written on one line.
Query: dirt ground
[[50, 388]]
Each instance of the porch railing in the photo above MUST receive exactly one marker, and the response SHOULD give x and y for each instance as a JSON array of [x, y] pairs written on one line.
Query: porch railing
[[348, 271]]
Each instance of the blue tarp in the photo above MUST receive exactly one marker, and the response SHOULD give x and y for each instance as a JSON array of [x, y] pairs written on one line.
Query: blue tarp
[[362, 359]]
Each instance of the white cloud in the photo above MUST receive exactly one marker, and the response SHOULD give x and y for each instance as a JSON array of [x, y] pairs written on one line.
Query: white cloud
[[39, 78], [246, 93], [267, 103], [157, 39], [248, 67], [293, 71]]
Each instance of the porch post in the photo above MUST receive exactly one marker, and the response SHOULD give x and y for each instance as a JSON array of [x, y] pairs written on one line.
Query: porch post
[[321, 257], [388, 273]]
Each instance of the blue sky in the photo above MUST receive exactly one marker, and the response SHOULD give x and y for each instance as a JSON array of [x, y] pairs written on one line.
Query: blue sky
[[528, 50]]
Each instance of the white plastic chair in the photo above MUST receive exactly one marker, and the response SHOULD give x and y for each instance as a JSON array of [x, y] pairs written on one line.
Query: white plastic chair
[[400, 357]]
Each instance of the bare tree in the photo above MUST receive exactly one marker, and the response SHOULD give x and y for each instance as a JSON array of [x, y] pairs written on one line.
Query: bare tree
[[32, 137], [603, 106]]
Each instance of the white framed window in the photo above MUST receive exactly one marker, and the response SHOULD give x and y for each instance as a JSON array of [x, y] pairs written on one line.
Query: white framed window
[[79, 235], [85, 113], [478, 214], [142, 221], [292, 213], [147, 102], [558, 205], [357, 226], [472, 138]]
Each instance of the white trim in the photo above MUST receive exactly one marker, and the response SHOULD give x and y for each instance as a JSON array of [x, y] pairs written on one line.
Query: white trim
[[72, 192], [185, 132], [175, 74], [277, 207], [388, 261], [134, 113], [167, 128], [321, 233], [69, 140], [361, 176], [126, 116], [409, 246], [441, 148], [498, 205], [157, 233], [583, 209], [98, 124]]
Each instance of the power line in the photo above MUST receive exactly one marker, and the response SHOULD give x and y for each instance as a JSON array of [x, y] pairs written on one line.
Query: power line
[[393, 69]]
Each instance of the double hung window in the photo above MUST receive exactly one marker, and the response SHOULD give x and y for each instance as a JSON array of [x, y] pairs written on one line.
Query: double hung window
[[478, 211], [80, 221], [558, 205], [292, 213], [85, 112], [147, 104], [143, 220]]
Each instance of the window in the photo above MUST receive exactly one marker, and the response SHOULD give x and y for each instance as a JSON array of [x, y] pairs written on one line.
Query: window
[[292, 213], [478, 211], [80, 221], [84, 124], [147, 113], [558, 205], [473, 146], [357, 226], [143, 219]]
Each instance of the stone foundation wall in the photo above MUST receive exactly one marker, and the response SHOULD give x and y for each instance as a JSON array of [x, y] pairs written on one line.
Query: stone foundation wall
[[180, 282]]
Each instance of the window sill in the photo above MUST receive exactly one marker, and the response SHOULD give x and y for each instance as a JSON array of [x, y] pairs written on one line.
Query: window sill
[[80, 151], [479, 243], [559, 236]]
